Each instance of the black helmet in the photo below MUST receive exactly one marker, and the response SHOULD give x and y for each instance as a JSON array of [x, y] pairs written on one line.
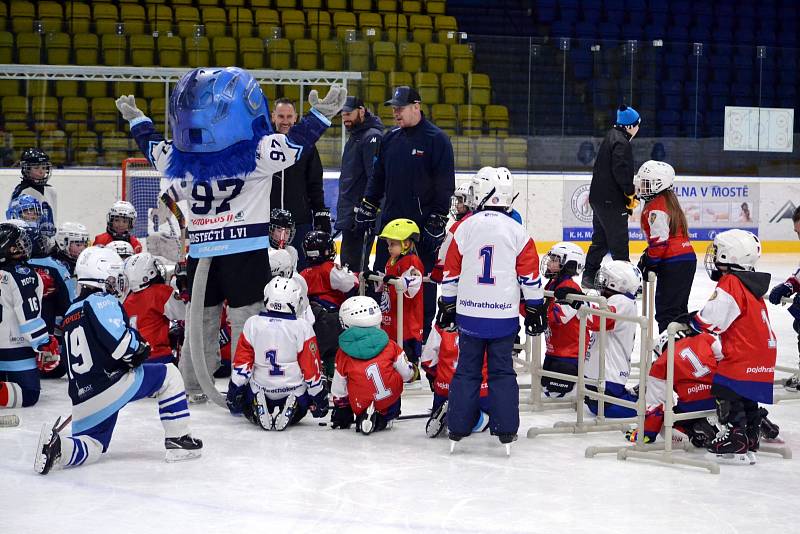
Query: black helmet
[[279, 218], [34, 157], [319, 247], [15, 244]]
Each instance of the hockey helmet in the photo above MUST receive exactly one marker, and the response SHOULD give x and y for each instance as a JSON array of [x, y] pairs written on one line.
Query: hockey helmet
[[620, 277], [123, 210], [281, 263], [123, 248], [280, 220], [319, 247], [400, 230], [360, 311], [71, 233], [34, 157], [25, 208], [214, 108], [142, 270], [461, 196], [569, 257], [653, 178], [101, 267], [282, 295], [14, 242], [492, 188], [738, 250]]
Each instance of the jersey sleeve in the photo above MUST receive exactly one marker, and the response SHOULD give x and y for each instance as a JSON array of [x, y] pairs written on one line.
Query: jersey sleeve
[[430, 351], [339, 382], [528, 274], [342, 279], [563, 313], [174, 307], [27, 298], [309, 361], [718, 314], [452, 271], [107, 320], [402, 366], [411, 279], [659, 234], [244, 358], [593, 321]]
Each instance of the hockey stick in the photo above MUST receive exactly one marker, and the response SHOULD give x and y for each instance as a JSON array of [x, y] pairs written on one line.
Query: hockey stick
[[366, 248], [413, 416], [173, 207]]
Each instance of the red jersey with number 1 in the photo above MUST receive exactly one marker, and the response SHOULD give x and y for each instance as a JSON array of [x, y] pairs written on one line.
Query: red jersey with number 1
[[150, 311]]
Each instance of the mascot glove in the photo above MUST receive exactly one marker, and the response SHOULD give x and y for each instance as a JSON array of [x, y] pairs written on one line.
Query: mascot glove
[[329, 106], [126, 104]]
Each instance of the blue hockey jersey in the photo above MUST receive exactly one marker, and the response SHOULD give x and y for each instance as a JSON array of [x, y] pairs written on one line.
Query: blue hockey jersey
[[58, 292]]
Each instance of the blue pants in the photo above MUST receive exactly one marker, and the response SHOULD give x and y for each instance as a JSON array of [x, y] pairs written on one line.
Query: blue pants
[[612, 410], [28, 382], [464, 407]]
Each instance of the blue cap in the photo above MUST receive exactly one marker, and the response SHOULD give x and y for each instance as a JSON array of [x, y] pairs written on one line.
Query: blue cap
[[627, 116], [403, 96]]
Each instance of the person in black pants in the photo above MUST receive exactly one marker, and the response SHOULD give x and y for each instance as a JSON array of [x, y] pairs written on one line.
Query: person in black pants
[[611, 194]]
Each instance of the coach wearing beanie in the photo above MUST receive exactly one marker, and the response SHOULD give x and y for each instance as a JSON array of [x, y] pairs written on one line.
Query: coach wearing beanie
[[611, 194]]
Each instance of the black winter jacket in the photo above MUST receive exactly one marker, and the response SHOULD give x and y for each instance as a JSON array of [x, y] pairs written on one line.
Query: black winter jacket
[[298, 189], [358, 165], [612, 176]]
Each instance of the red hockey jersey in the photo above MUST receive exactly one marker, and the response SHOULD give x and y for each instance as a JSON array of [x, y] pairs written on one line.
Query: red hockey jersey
[[661, 246], [105, 238], [563, 324], [441, 352], [412, 297], [329, 282], [150, 311]]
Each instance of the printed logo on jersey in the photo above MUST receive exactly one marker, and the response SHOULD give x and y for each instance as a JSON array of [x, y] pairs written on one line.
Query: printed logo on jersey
[[652, 217], [417, 152], [713, 295], [312, 347], [579, 203], [21, 269]]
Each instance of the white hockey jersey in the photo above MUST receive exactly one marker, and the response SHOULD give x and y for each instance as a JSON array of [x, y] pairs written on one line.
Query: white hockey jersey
[[22, 328], [278, 355], [619, 344]]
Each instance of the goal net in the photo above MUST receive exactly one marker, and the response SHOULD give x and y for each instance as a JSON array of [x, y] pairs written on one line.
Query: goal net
[[141, 184]]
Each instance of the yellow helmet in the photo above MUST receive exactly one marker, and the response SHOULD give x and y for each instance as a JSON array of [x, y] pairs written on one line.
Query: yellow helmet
[[401, 229]]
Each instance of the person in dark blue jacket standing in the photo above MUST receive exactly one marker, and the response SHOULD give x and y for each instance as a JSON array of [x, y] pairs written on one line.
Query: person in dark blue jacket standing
[[415, 177], [358, 165]]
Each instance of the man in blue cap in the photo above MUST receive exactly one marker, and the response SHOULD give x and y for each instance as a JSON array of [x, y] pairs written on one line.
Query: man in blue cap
[[611, 194]]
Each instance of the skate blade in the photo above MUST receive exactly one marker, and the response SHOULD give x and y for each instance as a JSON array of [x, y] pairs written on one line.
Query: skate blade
[[367, 424], [508, 449], [776, 441], [9, 420], [40, 459], [732, 459], [181, 455], [452, 446]]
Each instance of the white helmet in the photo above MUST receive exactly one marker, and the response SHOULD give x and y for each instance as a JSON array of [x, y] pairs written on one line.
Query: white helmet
[[123, 248], [461, 195], [739, 250], [619, 276], [124, 209], [281, 262], [69, 233], [492, 188], [653, 177], [282, 295], [563, 253], [101, 267], [142, 269], [360, 311]]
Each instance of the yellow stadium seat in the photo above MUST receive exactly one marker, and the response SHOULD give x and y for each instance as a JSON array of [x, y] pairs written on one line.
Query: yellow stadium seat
[[292, 92], [6, 47], [385, 114], [67, 88], [105, 114], [470, 119], [34, 88], [260, 3], [489, 151], [95, 89], [132, 15], [319, 25], [44, 112], [294, 24], [463, 151], [58, 48], [421, 28], [446, 28], [84, 146], [125, 88], [160, 18], [338, 5], [252, 52], [427, 84], [285, 4], [9, 88], [412, 6], [453, 88], [279, 52], [51, 14], [396, 79], [384, 56], [15, 112], [343, 22], [444, 116], [54, 143], [496, 120], [461, 58], [115, 142], [204, 3], [411, 56], [310, 4], [78, 17], [479, 88], [86, 48], [515, 150], [371, 26], [186, 18], [3, 25], [332, 56], [329, 148], [374, 86], [105, 18], [357, 55], [215, 21], [22, 15], [388, 6], [360, 5], [197, 50], [434, 7], [158, 109], [29, 48], [142, 50], [396, 27], [266, 21], [305, 54], [240, 20], [151, 89], [436, 57], [22, 139], [115, 50], [223, 51], [170, 51], [270, 91]]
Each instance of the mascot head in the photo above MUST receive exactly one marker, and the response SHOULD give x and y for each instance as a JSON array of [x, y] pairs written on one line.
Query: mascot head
[[212, 109]]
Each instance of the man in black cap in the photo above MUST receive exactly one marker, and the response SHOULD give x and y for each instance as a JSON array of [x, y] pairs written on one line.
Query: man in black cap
[[358, 164], [415, 177]]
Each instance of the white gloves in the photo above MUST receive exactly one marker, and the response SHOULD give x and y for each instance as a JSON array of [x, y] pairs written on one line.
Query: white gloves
[[331, 104], [126, 104]]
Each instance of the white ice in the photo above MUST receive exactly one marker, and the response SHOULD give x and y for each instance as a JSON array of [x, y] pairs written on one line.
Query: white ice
[[314, 479]]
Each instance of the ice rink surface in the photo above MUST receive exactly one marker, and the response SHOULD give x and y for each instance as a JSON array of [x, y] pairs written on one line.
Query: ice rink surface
[[314, 479]]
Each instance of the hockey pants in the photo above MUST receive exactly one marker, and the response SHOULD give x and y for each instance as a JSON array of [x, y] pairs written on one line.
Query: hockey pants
[[612, 410], [19, 388], [556, 387], [673, 285], [327, 329]]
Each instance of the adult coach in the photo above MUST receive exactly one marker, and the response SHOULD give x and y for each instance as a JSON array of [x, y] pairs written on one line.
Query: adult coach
[[611, 194], [358, 164], [415, 177], [298, 189]]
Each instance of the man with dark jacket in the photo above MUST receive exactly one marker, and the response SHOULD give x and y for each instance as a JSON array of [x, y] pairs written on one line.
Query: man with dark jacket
[[415, 177], [611, 194], [358, 164], [298, 189]]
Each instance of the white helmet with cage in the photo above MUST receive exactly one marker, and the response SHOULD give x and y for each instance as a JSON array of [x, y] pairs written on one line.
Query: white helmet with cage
[[738, 250], [101, 267], [142, 269], [123, 248], [492, 187], [653, 177], [360, 311], [281, 262], [282, 295], [619, 276], [569, 257], [461, 196], [71, 233], [121, 209]]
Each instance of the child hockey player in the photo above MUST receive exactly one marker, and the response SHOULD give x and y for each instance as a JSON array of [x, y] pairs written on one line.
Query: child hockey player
[[669, 252], [36, 169], [105, 358], [123, 249], [370, 370], [490, 259], [120, 219], [276, 369], [561, 263], [328, 285], [71, 239], [281, 264], [152, 305], [24, 341], [460, 207], [281, 232], [737, 312]]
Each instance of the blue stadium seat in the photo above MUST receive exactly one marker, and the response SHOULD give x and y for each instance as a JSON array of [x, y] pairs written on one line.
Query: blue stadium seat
[[588, 30], [561, 28], [568, 13], [657, 6], [609, 30], [723, 35], [700, 33], [672, 87], [723, 10]]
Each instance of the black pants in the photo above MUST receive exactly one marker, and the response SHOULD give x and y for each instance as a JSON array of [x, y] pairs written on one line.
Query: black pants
[[238, 278], [300, 231], [673, 285], [610, 234], [351, 248], [734, 409]]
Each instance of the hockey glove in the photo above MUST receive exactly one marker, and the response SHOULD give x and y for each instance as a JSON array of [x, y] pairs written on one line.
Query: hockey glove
[[433, 232], [535, 319], [48, 355], [562, 293], [319, 404], [342, 415], [644, 264], [175, 334], [780, 292], [182, 281], [322, 220], [446, 316], [235, 398], [632, 203], [126, 104], [332, 104], [138, 357], [366, 213], [632, 435], [388, 278], [794, 309]]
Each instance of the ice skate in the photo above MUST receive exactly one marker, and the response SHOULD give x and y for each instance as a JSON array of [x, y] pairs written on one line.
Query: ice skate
[[507, 440], [48, 450], [286, 414], [183, 448], [731, 447], [454, 438], [262, 412], [792, 383], [196, 398], [435, 424], [769, 430], [365, 422], [9, 420]]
